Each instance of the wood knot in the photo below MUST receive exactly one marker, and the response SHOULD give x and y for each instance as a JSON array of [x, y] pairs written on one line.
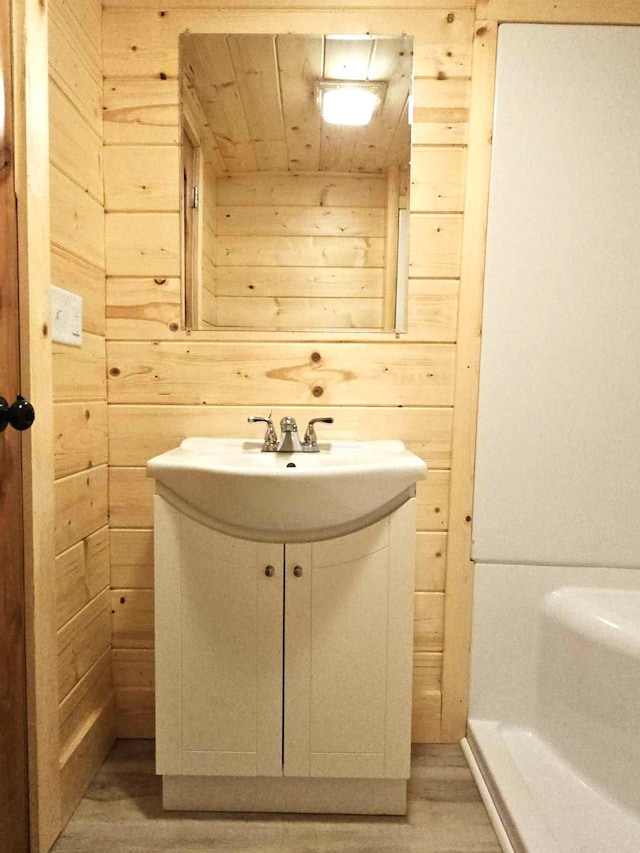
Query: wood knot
[[317, 391], [114, 371], [174, 327], [316, 357], [450, 18], [481, 31]]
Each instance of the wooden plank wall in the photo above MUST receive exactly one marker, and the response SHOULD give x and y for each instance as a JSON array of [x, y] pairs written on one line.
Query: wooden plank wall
[[82, 599], [165, 384], [324, 231]]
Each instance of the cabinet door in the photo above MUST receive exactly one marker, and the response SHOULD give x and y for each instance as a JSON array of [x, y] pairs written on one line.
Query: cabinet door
[[348, 652], [219, 651]]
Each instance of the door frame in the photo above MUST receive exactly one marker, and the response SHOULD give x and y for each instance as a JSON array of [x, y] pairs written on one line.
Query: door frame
[[29, 43], [14, 795]]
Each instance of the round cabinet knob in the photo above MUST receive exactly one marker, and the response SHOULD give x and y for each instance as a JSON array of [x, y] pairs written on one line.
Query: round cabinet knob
[[269, 571], [297, 571], [20, 414]]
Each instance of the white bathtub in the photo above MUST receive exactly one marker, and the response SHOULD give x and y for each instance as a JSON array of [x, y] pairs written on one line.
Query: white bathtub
[[554, 728]]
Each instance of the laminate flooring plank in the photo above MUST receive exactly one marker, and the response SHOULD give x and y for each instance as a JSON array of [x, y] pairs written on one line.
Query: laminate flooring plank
[[122, 813]]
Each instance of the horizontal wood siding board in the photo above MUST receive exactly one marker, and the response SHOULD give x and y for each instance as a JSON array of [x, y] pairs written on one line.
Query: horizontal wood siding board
[[302, 189], [75, 148], [429, 665], [77, 220], [142, 178], [85, 760], [78, 79], [133, 618], [134, 668], [426, 722], [278, 251], [435, 245], [80, 436], [547, 11], [80, 29], [143, 308], [132, 559], [437, 179], [433, 502], [130, 498], [81, 506], [428, 621], [82, 641], [299, 281], [150, 309], [263, 220], [136, 713], [139, 432], [143, 244], [73, 273], [432, 309], [273, 313], [431, 556], [82, 572], [139, 42], [279, 6], [440, 111], [141, 110], [79, 373], [81, 706], [268, 374]]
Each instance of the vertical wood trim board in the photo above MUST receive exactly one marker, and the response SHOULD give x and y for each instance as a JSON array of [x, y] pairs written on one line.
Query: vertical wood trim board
[[29, 34], [459, 580], [14, 787]]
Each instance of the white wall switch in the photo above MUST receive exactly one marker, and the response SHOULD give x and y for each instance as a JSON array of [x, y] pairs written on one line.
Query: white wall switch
[[66, 317]]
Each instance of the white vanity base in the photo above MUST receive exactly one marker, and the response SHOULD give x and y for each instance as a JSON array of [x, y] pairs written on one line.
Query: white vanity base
[[281, 794]]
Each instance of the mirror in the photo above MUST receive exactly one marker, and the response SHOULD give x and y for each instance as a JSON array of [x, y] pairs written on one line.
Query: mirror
[[290, 221]]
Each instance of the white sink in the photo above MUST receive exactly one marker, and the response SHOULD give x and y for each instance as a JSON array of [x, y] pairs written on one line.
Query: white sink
[[231, 485]]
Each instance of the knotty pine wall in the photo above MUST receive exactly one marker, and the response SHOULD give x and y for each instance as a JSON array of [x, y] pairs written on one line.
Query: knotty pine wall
[[82, 605], [300, 251], [165, 383]]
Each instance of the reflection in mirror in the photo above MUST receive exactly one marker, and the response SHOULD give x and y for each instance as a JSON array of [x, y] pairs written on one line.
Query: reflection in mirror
[[290, 220]]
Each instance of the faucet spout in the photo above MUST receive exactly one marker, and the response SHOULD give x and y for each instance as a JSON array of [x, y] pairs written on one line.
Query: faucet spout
[[289, 439]]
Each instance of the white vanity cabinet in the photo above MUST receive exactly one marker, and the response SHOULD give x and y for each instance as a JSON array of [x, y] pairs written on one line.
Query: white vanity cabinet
[[283, 671]]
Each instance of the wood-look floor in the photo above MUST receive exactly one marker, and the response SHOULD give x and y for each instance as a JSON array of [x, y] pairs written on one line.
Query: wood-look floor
[[122, 813]]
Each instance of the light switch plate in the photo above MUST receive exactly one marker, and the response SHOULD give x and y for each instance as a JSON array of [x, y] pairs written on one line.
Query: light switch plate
[[66, 317]]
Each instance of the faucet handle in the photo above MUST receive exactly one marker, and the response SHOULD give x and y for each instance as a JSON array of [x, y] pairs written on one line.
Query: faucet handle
[[310, 443], [270, 437]]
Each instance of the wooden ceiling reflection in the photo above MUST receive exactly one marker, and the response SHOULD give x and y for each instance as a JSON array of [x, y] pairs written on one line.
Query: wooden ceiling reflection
[[257, 95]]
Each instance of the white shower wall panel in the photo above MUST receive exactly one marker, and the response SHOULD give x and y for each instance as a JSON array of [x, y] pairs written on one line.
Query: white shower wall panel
[[558, 460]]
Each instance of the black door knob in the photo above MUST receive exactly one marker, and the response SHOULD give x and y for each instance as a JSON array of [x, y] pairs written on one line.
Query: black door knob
[[20, 414]]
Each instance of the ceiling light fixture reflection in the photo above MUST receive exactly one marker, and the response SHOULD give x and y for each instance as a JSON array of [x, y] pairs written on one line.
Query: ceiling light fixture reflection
[[348, 102]]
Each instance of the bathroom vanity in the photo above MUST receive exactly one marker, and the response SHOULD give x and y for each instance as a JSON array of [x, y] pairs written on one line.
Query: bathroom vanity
[[283, 668]]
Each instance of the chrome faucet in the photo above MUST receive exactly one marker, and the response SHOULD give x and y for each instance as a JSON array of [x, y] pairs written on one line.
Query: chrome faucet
[[289, 439]]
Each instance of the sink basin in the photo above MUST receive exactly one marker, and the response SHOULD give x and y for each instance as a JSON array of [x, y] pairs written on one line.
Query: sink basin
[[230, 485]]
